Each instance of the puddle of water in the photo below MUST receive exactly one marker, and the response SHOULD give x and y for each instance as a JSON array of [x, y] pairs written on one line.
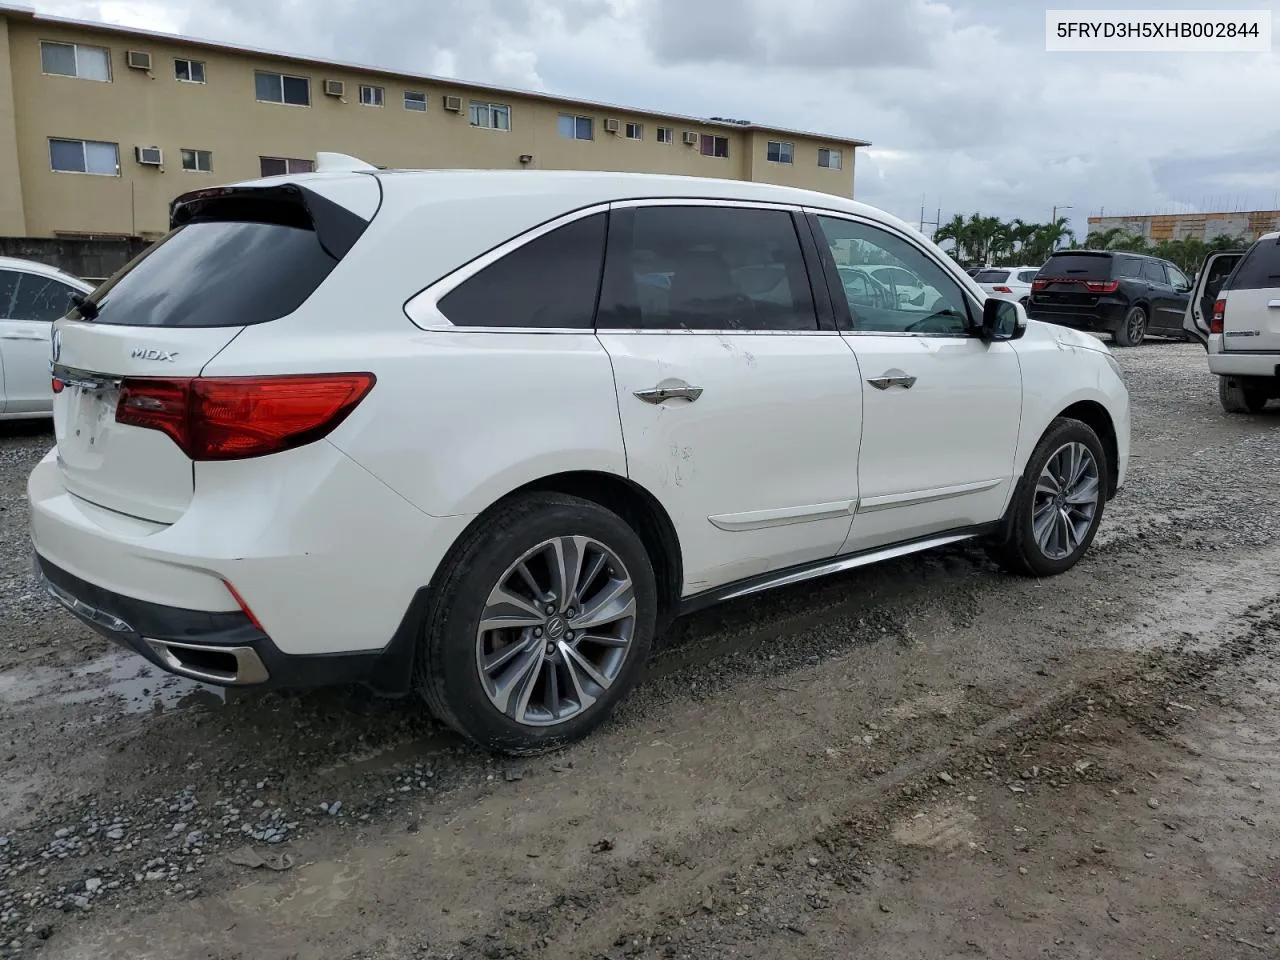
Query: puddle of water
[[120, 678]]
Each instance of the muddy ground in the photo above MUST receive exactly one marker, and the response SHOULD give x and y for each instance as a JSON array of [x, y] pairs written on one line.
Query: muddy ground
[[925, 759]]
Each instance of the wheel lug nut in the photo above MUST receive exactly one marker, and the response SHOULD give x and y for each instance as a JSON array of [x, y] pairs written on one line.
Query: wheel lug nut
[[551, 608], [537, 631], [551, 648], [571, 613], [569, 635]]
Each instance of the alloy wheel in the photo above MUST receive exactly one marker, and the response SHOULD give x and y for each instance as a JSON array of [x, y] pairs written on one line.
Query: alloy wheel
[[1066, 500], [556, 631], [1136, 324]]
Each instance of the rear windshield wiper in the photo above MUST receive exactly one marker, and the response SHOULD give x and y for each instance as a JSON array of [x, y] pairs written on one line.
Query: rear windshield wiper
[[87, 309]]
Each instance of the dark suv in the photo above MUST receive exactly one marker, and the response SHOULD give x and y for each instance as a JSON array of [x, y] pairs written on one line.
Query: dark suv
[[1127, 295]]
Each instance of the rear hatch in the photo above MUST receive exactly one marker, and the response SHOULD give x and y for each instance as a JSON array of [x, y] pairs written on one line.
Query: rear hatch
[[1251, 319], [993, 281], [1074, 282], [125, 360]]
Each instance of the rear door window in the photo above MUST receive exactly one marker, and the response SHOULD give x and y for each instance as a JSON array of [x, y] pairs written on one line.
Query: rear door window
[[1260, 268], [550, 282], [243, 259], [705, 268], [1153, 272], [31, 296]]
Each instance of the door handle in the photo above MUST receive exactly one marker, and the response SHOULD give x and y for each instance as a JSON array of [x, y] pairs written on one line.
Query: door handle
[[673, 392], [892, 379]]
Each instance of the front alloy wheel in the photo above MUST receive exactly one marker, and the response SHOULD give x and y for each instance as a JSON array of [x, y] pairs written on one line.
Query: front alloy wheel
[[1066, 500], [556, 630]]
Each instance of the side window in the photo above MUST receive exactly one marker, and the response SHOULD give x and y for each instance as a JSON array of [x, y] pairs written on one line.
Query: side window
[[913, 294], [705, 268], [1027, 276], [1130, 267], [29, 296], [1154, 272], [1177, 278], [550, 282]]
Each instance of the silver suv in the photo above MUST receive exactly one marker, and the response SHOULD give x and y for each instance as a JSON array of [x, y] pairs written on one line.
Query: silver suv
[[1235, 313]]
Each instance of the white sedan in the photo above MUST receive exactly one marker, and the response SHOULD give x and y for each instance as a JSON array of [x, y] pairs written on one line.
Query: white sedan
[[1007, 283], [32, 296]]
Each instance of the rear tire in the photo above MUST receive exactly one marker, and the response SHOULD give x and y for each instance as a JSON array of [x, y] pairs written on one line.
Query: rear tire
[[540, 626], [1058, 504], [1237, 397], [1133, 328]]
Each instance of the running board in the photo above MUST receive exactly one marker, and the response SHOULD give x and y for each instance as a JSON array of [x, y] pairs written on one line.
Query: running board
[[823, 568]]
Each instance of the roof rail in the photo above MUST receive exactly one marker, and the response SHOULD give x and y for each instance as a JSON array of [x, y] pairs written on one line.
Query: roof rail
[[340, 163]]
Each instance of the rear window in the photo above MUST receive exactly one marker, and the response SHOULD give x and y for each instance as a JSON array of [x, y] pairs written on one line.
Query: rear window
[[1260, 268], [991, 276], [1080, 266], [235, 262]]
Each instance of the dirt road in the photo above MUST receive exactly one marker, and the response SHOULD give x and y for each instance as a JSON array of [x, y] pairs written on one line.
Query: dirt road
[[925, 759]]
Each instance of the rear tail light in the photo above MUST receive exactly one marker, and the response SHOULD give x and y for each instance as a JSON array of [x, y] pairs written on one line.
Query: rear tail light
[[1219, 319], [1039, 284], [232, 418], [1102, 286], [244, 607], [1002, 290]]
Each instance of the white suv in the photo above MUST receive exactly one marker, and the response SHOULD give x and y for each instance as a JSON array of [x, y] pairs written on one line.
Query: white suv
[[483, 434], [1235, 312]]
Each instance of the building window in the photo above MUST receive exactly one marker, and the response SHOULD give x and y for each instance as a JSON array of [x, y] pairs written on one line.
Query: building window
[[371, 96], [829, 159], [713, 146], [189, 71], [85, 156], [415, 100], [780, 151], [665, 135], [279, 166], [491, 116], [635, 131], [75, 60], [198, 160], [576, 128], [281, 88]]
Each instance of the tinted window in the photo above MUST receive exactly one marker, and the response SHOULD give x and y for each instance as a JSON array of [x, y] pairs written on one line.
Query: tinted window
[[29, 296], [1079, 266], [1026, 276], [551, 281], [991, 276], [1128, 267], [216, 274], [1176, 277], [1154, 272], [1259, 269], [916, 295], [705, 268]]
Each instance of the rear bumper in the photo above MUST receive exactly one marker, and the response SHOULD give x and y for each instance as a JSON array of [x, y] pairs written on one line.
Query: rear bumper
[[1103, 317], [1243, 364], [225, 649]]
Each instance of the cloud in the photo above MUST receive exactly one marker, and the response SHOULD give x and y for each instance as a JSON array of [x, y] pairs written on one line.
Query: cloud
[[966, 109]]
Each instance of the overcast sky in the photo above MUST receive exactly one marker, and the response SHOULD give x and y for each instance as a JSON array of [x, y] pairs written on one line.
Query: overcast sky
[[965, 109]]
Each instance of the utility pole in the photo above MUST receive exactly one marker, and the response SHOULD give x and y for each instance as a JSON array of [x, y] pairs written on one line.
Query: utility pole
[[1054, 218]]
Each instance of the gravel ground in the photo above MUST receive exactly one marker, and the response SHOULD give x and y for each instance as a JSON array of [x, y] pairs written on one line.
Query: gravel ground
[[922, 759]]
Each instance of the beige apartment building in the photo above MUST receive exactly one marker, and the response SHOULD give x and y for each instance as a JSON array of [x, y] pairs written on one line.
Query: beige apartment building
[[101, 126]]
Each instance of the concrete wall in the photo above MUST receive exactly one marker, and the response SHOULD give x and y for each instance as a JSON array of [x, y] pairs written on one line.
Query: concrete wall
[[87, 259], [223, 116]]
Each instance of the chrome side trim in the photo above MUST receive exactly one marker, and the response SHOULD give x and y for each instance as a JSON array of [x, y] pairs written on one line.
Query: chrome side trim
[[83, 379], [760, 519], [890, 500], [249, 667], [840, 564]]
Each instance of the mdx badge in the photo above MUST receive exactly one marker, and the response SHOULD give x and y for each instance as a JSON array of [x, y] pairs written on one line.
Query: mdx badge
[[151, 353]]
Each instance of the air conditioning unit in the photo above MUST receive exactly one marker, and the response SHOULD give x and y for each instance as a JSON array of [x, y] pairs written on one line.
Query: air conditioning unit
[[611, 125], [149, 156], [690, 138], [453, 104], [138, 60], [335, 88]]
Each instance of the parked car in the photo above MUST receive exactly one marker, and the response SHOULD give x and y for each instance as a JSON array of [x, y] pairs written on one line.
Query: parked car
[[32, 296], [1007, 283], [904, 285], [1127, 295], [303, 440], [1235, 313]]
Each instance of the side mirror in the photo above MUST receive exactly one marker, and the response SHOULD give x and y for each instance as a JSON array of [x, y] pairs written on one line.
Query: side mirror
[[1002, 320]]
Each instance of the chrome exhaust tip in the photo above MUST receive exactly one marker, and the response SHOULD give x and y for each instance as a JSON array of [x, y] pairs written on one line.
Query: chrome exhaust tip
[[224, 666]]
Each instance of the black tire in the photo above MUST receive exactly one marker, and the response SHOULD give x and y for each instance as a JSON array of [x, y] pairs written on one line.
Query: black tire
[[1237, 397], [1016, 549], [446, 673], [1133, 328]]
